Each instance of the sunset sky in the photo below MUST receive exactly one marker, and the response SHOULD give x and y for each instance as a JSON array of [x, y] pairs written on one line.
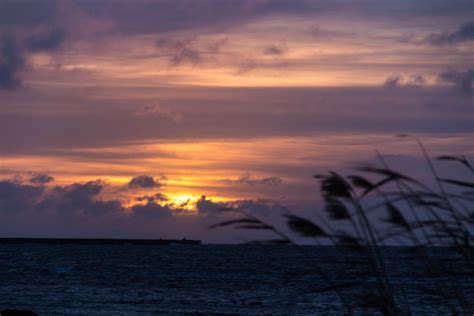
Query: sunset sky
[[143, 118]]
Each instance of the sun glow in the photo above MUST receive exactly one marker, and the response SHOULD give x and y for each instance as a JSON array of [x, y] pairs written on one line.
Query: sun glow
[[185, 202]]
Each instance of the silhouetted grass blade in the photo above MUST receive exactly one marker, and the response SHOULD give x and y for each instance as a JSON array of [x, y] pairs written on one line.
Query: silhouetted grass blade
[[458, 182], [304, 227], [336, 209], [462, 160], [256, 226], [336, 186], [361, 182], [236, 221], [396, 217]]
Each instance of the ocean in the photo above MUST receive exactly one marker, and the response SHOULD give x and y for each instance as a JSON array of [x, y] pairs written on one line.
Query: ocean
[[218, 279]]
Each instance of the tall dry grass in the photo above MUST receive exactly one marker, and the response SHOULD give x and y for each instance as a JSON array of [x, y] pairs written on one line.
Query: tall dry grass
[[378, 206]]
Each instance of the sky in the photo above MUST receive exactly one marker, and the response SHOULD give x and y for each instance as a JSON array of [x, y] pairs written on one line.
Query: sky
[[145, 118]]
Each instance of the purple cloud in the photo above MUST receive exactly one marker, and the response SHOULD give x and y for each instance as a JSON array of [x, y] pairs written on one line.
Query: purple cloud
[[143, 182]]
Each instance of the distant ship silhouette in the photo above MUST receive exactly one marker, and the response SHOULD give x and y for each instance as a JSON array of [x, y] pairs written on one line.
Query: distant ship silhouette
[[99, 241]]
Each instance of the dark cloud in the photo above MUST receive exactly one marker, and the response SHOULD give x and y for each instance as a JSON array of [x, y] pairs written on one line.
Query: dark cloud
[[12, 58], [31, 23], [78, 198], [80, 210], [11, 62], [155, 108], [414, 80], [188, 50], [158, 197], [205, 206], [186, 55], [463, 80], [96, 20], [148, 17], [246, 179], [153, 17], [27, 12], [464, 33], [143, 182], [392, 82], [45, 41], [417, 80], [275, 50], [151, 210], [18, 197], [257, 207], [180, 50], [74, 199], [25, 18], [40, 178], [261, 207]]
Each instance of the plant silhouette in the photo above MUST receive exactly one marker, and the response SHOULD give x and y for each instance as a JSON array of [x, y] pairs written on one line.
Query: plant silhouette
[[375, 207]]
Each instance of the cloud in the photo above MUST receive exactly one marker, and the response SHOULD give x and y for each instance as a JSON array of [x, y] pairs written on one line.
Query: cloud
[[12, 58], [27, 12], [261, 207], [143, 182], [45, 41], [205, 206], [275, 50], [248, 113], [463, 80], [215, 46], [188, 50], [392, 82], [152, 17], [151, 210], [81, 210], [464, 33], [75, 199], [157, 197], [11, 62], [246, 179], [147, 17], [181, 50], [414, 80], [156, 109], [41, 178], [78, 198], [186, 55], [121, 20], [247, 64], [254, 206], [18, 197]]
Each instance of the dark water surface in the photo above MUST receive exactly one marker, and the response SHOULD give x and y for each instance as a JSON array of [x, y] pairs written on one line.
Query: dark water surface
[[212, 279]]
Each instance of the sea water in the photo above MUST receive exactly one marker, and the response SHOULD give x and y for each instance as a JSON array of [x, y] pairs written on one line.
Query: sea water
[[220, 279]]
